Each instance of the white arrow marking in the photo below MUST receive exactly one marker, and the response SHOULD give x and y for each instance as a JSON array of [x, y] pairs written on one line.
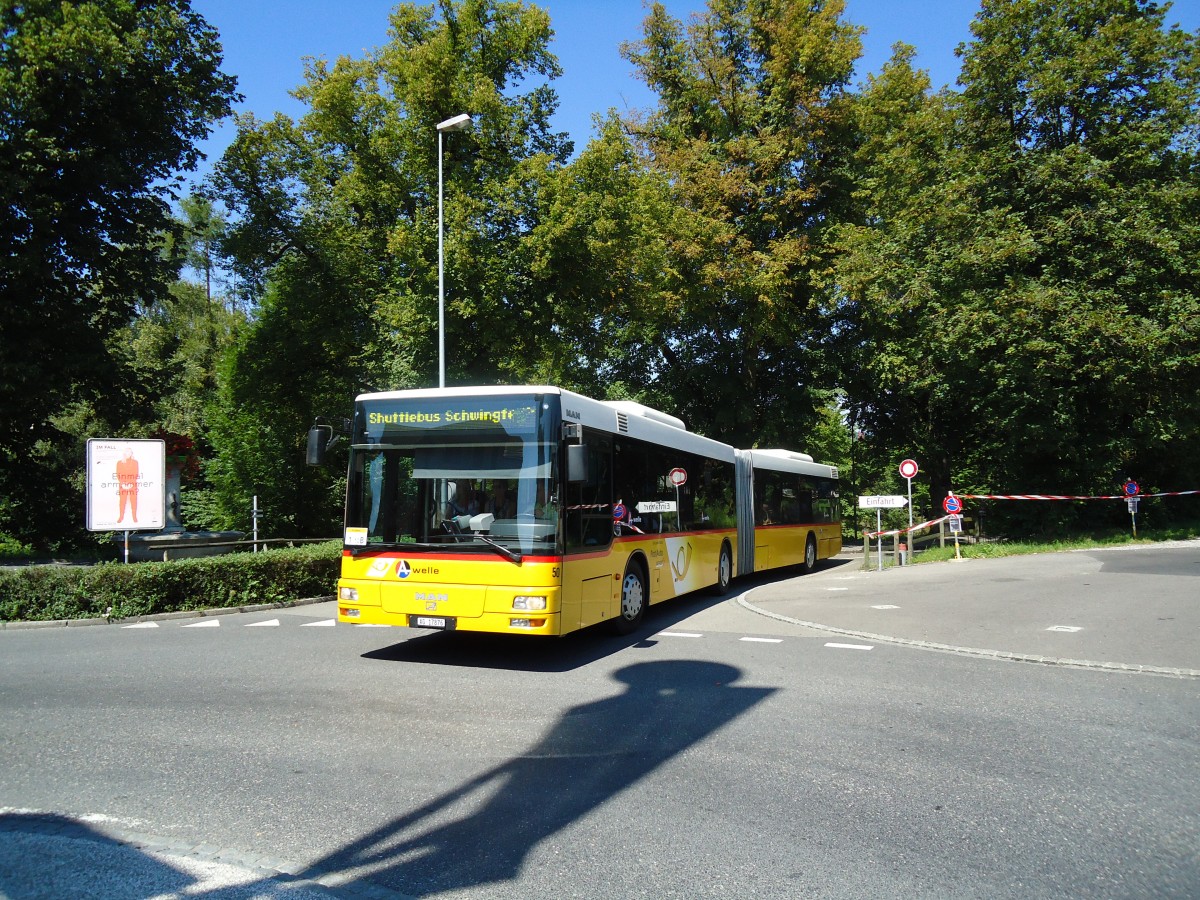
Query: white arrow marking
[[270, 623], [325, 624], [142, 625], [205, 623]]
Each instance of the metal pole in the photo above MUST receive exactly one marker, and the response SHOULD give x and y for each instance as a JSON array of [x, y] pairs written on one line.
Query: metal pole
[[254, 516], [441, 280], [879, 529]]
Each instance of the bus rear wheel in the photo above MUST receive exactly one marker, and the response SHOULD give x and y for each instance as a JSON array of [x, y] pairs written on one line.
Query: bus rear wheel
[[810, 554], [633, 600]]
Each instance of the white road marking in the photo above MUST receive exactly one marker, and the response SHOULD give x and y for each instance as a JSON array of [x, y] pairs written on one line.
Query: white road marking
[[687, 634], [850, 646], [204, 623], [885, 606], [270, 623], [325, 624], [837, 589], [762, 640], [1070, 629], [141, 625]]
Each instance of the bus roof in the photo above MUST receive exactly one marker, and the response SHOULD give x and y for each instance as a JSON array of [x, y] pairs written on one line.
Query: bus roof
[[790, 461], [623, 417]]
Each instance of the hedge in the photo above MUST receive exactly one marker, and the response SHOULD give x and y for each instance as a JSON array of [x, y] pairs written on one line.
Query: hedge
[[47, 593]]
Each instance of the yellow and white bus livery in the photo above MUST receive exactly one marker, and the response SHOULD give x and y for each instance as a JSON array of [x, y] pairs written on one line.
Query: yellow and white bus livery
[[535, 510]]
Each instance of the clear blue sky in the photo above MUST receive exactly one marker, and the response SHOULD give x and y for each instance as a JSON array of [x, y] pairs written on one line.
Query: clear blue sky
[[265, 42]]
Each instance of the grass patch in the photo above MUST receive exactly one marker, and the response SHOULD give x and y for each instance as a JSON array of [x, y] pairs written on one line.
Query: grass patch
[[990, 549]]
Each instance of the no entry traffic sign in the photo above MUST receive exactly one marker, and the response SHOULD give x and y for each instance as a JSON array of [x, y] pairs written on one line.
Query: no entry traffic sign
[[908, 469]]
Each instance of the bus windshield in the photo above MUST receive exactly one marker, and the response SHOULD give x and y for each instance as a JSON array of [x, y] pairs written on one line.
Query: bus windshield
[[456, 475]]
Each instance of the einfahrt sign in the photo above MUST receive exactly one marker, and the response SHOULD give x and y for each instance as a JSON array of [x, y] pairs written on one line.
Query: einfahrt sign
[[883, 501]]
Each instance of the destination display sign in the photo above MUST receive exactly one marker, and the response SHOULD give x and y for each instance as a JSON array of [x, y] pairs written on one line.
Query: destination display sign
[[463, 415]]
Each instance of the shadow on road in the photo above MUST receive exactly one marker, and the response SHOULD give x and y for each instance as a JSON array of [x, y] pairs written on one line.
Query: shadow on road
[[478, 833], [482, 831]]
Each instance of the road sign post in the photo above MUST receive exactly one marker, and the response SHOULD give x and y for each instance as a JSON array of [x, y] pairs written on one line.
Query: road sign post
[[1131, 491], [908, 471], [880, 502], [954, 507]]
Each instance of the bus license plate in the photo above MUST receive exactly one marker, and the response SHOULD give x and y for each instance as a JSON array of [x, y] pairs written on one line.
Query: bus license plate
[[444, 623]]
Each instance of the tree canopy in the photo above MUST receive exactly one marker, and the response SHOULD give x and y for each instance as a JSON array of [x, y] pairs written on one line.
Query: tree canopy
[[998, 279], [336, 231], [1022, 289], [101, 107]]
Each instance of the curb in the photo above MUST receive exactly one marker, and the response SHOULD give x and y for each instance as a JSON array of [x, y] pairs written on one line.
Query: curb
[[159, 617]]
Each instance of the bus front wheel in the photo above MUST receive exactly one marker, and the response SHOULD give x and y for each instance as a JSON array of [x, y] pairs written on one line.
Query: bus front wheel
[[810, 554], [724, 570], [633, 600]]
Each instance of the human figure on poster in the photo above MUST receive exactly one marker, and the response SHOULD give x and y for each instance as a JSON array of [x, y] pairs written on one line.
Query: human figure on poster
[[127, 484]]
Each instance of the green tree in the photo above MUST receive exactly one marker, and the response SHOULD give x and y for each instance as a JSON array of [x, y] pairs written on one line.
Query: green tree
[[599, 297], [1032, 313], [204, 227], [750, 132], [891, 285], [101, 103], [334, 230]]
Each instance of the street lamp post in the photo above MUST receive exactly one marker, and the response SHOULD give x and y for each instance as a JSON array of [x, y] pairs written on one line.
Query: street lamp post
[[457, 123]]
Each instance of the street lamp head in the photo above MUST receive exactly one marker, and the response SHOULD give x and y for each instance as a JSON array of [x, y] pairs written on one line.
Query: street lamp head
[[458, 123]]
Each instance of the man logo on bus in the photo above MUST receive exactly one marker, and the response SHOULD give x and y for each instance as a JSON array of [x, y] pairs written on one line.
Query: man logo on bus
[[403, 569]]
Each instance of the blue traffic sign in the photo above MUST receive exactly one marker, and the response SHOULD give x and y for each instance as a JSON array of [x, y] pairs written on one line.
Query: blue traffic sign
[[952, 505], [1131, 489]]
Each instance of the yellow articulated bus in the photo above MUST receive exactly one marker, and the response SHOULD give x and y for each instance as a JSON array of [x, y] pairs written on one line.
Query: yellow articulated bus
[[535, 510]]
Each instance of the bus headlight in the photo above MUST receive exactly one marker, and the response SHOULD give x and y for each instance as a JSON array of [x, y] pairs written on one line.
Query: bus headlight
[[348, 593], [529, 603]]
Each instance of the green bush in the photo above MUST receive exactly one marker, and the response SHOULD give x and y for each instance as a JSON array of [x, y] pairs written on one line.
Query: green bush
[[43, 593], [11, 547]]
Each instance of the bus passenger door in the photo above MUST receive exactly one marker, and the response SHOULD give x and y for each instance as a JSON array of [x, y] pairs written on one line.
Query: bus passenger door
[[588, 531]]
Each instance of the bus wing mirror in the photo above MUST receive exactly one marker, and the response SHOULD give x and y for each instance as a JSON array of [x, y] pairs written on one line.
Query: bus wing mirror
[[577, 463], [319, 439], [322, 437]]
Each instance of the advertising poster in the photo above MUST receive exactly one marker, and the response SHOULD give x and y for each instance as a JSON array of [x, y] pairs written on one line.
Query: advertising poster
[[126, 484]]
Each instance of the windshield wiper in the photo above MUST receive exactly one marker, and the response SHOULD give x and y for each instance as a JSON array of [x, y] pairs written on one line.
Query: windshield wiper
[[512, 555]]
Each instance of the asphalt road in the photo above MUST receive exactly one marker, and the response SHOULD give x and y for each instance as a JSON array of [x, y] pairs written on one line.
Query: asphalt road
[[1132, 608], [788, 740]]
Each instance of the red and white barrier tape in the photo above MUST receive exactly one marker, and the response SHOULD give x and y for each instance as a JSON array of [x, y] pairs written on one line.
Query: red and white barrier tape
[[1070, 496], [930, 523]]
